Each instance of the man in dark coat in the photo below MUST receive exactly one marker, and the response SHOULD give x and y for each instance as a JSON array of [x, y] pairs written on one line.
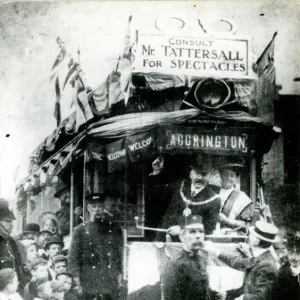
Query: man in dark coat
[[260, 266], [194, 196], [186, 277], [287, 283], [95, 254], [11, 251]]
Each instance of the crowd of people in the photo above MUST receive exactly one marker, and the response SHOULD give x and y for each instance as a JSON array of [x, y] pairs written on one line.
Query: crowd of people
[[36, 265]]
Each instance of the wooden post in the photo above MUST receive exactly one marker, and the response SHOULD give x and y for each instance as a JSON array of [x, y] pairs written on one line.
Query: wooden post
[[253, 194], [84, 184], [72, 199]]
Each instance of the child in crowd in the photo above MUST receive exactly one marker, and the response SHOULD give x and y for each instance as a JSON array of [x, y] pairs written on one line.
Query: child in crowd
[[41, 289], [41, 241], [50, 225], [66, 281], [39, 271], [59, 264], [54, 246], [30, 250], [9, 284]]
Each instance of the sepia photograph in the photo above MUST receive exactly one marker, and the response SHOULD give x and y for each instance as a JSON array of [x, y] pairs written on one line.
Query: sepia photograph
[[149, 150]]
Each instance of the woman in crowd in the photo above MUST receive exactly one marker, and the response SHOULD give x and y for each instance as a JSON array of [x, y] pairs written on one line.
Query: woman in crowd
[[237, 209]]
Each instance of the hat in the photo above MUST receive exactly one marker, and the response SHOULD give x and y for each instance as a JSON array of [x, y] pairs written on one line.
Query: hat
[[58, 258], [234, 163], [6, 275], [203, 166], [37, 261], [61, 192], [32, 228], [264, 231], [27, 243], [46, 231], [54, 239], [95, 198], [45, 215], [64, 273], [193, 221], [34, 284], [5, 212]]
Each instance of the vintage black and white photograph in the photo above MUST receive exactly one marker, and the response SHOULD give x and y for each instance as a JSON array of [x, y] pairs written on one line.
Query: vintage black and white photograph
[[149, 150]]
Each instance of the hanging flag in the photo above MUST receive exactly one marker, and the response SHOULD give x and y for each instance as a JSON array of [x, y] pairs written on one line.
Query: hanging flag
[[62, 73], [125, 65], [83, 109], [266, 89], [264, 65], [99, 99], [115, 90]]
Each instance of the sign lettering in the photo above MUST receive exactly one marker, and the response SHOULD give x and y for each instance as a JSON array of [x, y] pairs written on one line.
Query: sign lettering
[[194, 141], [196, 56]]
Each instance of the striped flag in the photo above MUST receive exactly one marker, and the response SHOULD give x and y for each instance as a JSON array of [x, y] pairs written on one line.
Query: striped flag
[[83, 109], [63, 72]]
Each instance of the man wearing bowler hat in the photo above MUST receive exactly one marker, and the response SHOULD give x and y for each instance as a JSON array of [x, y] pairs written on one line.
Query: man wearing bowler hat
[[53, 247], [31, 232], [94, 256], [259, 265], [186, 277], [11, 251], [194, 196]]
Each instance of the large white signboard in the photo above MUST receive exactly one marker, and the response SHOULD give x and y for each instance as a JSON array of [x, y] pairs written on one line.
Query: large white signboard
[[227, 57]]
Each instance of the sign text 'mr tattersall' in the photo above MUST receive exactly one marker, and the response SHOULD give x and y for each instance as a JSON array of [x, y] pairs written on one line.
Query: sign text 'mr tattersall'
[[168, 54]]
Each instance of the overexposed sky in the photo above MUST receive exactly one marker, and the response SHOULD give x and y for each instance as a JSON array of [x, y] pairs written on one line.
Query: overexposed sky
[[28, 32]]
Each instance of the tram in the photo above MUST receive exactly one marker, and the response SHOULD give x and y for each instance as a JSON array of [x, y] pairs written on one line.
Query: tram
[[169, 120]]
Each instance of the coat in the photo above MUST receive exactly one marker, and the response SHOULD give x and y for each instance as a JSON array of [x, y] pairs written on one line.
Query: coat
[[286, 286], [260, 274], [95, 256], [186, 278], [209, 210], [12, 255]]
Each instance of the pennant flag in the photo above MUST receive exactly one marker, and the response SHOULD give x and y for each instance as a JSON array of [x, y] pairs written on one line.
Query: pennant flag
[[57, 112], [264, 65], [266, 88], [61, 56]]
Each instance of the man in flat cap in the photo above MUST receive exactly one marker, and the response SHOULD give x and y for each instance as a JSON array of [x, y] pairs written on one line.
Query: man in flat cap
[[94, 257], [194, 196], [12, 254], [259, 264], [186, 277]]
